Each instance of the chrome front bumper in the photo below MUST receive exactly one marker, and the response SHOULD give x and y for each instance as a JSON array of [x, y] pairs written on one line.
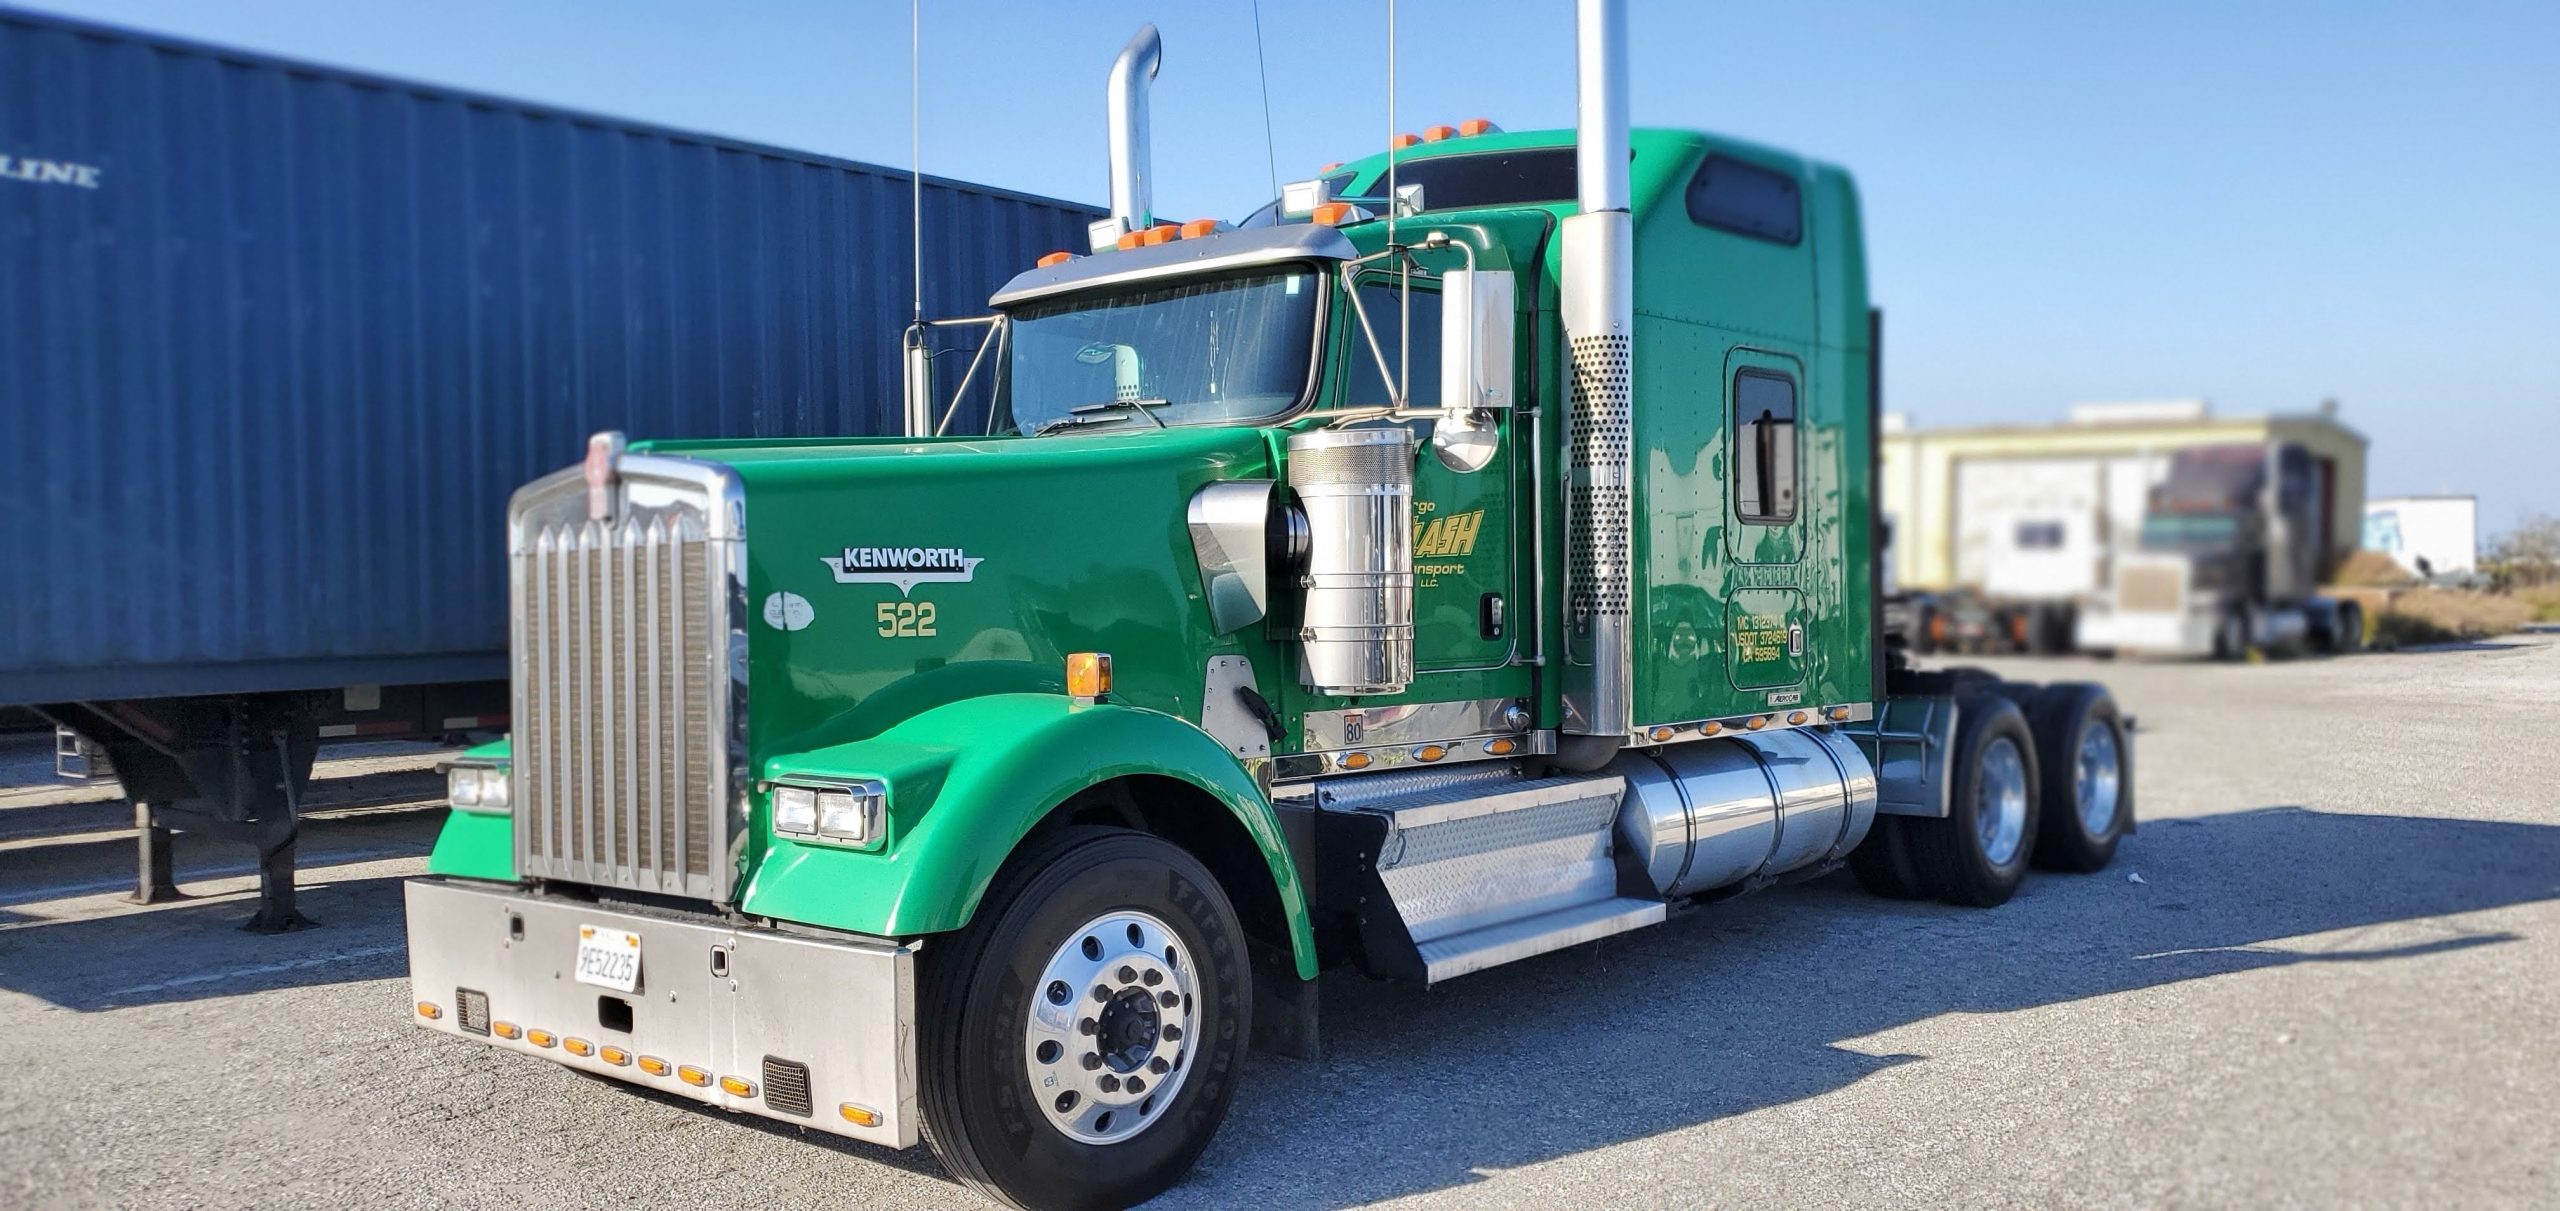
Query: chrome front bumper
[[722, 1001], [2185, 633]]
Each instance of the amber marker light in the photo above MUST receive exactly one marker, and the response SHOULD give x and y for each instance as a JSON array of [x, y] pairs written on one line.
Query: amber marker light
[[1477, 126], [506, 1030], [1354, 761], [1060, 257], [859, 1116], [577, 1046], [654, 1066], [429, 1010], [1757, 722], [1404, 141], [1798, 717], [1330, 167], [1128, 240], [1660, 733], [1710, 727], [614, 1056], [1199, 227], [737, 1086], [1161, 233], [1839, 714], [1430, 752], [541, 1038], [1501, 746], [698, 1077], [1436, 134], [1089, 675], [1333, 214]]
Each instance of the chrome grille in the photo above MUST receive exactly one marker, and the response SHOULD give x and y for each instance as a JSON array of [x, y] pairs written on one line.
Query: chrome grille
[[623, 655], [2150, 588]]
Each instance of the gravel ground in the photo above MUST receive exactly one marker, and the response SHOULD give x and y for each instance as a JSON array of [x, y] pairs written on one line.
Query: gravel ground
[[2334, 983]]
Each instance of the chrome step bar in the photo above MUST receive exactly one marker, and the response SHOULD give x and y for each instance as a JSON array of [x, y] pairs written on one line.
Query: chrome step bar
[[1479, 871]]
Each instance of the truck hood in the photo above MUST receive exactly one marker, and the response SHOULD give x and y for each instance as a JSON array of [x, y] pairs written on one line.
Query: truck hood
[[889, 576]]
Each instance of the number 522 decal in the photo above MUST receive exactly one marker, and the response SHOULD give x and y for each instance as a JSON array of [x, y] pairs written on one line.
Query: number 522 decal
[[906, 619]]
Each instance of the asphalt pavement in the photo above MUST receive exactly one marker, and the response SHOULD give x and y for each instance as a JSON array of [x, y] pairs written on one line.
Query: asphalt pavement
[[2325, 972]]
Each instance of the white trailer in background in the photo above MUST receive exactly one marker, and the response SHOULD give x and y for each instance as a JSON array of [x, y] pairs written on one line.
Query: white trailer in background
[[2432, 537]]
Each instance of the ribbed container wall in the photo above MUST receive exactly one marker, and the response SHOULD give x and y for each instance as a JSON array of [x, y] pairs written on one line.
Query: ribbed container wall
[[277, 342]]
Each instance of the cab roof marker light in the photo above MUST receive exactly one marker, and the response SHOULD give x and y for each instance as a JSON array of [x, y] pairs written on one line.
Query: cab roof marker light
[[1477, 126], [1060, 257], [1199, 227], [1400, 142], [1439, 134]]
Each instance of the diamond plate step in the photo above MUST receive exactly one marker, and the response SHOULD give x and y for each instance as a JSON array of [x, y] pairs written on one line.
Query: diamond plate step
[[1450, 957]]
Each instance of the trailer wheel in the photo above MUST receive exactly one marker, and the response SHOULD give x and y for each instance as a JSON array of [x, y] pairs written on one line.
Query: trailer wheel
[[1977, 854], [2088, 776], [1079, 1042]]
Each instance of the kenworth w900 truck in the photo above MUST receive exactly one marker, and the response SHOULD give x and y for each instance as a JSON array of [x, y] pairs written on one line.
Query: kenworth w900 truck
[[1469, 556]]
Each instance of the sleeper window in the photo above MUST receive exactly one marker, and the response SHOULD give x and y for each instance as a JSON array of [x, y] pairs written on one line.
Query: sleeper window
[[1764, 461]]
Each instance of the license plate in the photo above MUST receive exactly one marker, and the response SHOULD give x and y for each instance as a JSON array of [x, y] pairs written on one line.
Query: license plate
[[609, 958]]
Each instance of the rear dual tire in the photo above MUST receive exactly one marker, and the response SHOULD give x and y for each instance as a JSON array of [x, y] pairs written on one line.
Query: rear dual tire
[[2087, 759], [1037, 1020], [1977, 854]]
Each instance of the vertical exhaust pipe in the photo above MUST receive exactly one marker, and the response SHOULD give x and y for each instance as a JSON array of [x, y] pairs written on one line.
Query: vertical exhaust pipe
[[1132, 206], [1598, 305]]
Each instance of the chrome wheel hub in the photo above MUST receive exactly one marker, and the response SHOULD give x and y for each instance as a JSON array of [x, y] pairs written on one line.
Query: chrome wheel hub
[[2100, 779], [2000, 801], [1109, 1029]]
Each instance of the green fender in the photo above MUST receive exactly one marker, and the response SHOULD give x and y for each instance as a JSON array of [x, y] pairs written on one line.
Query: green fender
[[967, 781], [477, 844]]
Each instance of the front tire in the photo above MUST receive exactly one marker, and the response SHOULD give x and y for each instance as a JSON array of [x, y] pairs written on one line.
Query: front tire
[[1080, 1041]]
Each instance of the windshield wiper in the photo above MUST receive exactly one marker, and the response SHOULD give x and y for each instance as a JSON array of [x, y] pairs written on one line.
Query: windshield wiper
[[1100, 410]]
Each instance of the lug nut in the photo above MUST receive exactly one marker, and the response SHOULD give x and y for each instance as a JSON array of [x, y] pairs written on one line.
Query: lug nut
[[1167, 999], [1158, 1066], [1137, 1085], [1101, 993], [1154, 977], [1174, 1033], [1109, 1083], [1128, 975], [1092, 1060], [1085, 1026]]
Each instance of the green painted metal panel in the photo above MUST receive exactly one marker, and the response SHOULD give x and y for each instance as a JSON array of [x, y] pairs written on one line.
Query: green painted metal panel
[[967, 780]]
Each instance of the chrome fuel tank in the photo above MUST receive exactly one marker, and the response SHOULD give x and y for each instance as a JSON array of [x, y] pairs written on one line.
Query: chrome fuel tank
[[1713, 813]]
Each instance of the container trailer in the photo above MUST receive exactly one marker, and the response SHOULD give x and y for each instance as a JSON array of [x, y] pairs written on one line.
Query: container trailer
[[279, 338]]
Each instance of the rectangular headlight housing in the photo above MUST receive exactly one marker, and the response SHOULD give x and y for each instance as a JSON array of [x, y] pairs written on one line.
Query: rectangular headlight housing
[[850, 813], [478, 788]]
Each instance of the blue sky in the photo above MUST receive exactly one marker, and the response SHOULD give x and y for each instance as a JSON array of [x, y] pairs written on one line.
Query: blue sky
[[2262, 203]]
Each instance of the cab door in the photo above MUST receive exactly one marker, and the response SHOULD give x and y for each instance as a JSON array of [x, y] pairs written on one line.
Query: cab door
[[1466, 611], [1766, 614]]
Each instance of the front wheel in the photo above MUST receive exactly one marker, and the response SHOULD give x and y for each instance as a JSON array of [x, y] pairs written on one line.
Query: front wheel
[[1081, 1039]]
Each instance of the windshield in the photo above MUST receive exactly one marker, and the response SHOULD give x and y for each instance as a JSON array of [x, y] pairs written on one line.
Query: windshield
[[1196, 353], [2188, 531]]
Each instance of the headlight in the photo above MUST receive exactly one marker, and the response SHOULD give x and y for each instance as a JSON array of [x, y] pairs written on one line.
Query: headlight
[[795, 810], [844, 814], [477, 788]]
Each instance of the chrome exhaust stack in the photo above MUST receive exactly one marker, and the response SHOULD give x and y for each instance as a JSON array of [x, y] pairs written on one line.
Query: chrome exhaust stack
[[1132, 205], [1598, 305]]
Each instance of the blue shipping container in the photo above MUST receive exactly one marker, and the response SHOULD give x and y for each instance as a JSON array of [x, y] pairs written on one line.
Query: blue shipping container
[[277, 341]]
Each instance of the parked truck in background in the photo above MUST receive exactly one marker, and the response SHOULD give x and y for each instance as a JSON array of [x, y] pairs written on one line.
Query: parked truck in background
[[1471, 555], [2225, 564], [300, 329]]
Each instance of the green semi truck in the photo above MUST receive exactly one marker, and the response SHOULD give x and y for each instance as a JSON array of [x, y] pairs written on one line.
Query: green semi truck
[[1470, 555]]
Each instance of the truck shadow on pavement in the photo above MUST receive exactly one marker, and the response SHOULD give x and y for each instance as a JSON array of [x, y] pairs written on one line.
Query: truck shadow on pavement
[[195, 950], [1747, 1005]]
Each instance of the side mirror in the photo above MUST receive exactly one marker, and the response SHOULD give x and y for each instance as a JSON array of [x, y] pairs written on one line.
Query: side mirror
[[1476, 365]]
